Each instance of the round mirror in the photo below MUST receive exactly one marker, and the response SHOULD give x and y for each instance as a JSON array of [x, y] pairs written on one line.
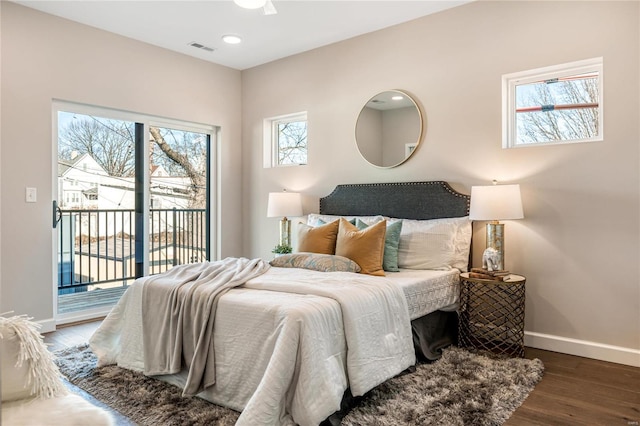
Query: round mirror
[[389, 129]]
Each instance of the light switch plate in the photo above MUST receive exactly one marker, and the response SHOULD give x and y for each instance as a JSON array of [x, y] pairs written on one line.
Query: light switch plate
[[31, 195]]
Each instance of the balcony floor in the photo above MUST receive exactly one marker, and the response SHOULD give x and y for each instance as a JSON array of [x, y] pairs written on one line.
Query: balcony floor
[[98, 298]]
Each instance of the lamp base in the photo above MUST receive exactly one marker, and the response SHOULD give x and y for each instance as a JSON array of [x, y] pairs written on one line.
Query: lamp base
[[285, 232], [495, 240]]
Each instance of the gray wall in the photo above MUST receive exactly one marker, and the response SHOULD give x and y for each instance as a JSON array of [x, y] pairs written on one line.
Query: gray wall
[[46, 58], [578, 245]]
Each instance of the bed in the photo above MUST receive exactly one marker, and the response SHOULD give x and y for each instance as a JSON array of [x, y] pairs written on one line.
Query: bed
[[291, 343]]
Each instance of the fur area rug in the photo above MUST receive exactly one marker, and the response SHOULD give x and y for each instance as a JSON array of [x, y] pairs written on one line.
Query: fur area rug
[[459, 389]]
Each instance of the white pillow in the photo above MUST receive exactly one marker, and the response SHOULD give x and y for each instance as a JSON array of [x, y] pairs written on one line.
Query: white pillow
[[14, 377], [435, 244], [462, 242], [24, 356], [313, 218]]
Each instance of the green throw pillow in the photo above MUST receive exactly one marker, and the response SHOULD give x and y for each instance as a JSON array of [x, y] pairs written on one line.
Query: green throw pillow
[[391, 242]]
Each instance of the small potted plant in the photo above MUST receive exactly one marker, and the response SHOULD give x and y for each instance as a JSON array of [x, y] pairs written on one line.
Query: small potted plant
[[281, 249]]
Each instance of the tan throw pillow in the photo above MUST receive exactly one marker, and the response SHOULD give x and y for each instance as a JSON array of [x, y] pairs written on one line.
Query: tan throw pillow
[[321, 239], [365, 247]]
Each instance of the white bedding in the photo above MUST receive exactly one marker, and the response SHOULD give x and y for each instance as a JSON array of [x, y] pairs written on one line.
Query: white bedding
[[427, 291], [291, 347]]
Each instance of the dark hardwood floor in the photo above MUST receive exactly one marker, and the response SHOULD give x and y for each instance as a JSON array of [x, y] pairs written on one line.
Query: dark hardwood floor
[[581, 391], [573, 391]]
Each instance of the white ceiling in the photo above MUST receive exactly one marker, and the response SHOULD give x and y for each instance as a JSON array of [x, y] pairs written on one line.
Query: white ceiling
[[297, 27]]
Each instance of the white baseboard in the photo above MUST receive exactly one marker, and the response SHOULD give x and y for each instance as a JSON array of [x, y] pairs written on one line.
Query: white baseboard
[[50, 324], [617, 354], [47, 326], [83, 315]]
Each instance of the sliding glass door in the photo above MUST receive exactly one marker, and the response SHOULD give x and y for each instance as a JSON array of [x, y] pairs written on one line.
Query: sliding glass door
[[179, 197], [132, 198]]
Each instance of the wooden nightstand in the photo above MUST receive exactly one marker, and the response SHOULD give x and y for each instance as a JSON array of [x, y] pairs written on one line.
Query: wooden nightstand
[[491, 315]]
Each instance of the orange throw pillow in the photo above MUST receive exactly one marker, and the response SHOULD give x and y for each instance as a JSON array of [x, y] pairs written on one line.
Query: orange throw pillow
[[321, 239], [365, 247]]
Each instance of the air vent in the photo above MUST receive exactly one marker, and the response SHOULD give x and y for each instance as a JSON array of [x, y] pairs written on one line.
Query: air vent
[[201, 46]]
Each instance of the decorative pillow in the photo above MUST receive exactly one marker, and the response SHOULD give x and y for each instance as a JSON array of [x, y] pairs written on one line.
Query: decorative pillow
[[14, 372], [313, 218], [391, 242], [27, 367], [365, 247], [316, 262], [427, 244], [320, 239], [462, 243], [456, 250]]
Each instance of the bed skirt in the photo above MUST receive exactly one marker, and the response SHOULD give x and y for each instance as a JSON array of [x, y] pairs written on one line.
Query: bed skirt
[[434, 332]]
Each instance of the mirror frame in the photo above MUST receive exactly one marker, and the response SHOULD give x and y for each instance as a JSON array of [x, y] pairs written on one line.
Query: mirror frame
[[420, 130]]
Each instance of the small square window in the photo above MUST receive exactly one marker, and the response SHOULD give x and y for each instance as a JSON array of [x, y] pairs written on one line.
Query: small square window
[[286, 140], [553, 105]]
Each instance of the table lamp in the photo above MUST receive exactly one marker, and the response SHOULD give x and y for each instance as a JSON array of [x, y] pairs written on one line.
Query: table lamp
[[283, 204], [495, 203]]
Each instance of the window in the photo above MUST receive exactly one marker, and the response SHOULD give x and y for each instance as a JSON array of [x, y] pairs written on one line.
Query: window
[[285, 140], [552, 105]]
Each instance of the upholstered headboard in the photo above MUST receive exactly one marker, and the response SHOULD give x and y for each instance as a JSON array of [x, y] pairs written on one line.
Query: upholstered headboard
[[406, 200]]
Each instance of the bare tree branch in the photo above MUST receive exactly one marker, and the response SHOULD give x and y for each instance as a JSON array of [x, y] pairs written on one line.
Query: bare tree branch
[[566, 124], [197, 177]]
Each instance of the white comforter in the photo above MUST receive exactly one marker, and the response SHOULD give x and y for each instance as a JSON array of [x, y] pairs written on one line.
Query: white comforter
[[288, 343]]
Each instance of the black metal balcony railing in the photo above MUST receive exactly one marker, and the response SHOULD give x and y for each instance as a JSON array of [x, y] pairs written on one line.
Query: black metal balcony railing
[[98, 246]]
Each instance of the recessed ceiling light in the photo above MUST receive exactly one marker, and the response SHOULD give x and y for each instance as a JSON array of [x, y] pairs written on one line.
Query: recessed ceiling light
[[397, 98], [250, 4], [231, 39]]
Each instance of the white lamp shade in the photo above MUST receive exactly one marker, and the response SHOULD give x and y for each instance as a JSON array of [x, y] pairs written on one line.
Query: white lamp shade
[[495, 202], [283, 204]]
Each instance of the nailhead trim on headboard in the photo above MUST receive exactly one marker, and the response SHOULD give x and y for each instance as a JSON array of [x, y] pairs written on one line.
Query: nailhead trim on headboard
[[407, 200]]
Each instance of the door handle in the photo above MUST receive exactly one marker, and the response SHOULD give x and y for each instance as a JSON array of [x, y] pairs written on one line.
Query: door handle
[[57, 214]]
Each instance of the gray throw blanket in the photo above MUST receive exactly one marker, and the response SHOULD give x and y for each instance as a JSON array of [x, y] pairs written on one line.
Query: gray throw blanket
[[178, 311]]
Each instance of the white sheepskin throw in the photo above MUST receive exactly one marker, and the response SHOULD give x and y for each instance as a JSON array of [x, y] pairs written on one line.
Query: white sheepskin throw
[[33, 392], [28, 368], [68, 410]]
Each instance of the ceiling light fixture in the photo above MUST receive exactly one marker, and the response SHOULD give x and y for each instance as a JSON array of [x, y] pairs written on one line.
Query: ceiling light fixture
[[397, 98], [231, 39], [250, 4]]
